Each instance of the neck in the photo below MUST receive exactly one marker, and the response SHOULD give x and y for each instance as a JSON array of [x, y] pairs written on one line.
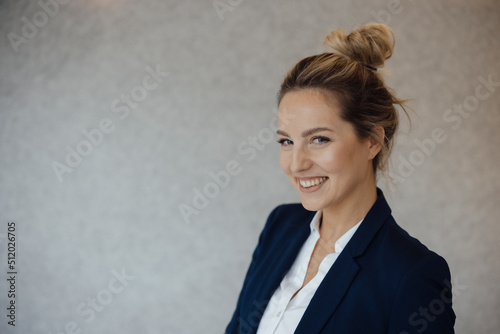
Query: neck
[[341, 217]]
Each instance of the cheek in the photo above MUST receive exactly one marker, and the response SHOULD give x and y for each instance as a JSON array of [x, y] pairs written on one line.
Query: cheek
[[331, 160], [346, 160]]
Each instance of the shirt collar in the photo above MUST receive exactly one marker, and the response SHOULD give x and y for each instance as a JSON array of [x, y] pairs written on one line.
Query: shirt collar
[[315, 222], [343, 240]]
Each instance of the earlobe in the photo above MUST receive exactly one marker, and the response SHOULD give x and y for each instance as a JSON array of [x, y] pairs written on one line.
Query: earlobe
[[375, 141]]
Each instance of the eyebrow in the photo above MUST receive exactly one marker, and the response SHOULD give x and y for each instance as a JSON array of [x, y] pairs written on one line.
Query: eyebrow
[[306, 132]]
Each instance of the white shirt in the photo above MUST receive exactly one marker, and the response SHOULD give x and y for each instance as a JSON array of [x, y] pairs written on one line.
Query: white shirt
[[282, 315]]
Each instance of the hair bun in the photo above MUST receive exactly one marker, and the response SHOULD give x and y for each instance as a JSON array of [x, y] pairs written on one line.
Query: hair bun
[[371, 44]]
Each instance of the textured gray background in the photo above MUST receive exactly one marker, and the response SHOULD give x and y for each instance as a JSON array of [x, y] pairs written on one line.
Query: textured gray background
[[120, 207]]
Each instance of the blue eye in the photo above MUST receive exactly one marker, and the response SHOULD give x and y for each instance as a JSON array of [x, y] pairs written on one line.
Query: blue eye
[[285, 142], [320, 140]]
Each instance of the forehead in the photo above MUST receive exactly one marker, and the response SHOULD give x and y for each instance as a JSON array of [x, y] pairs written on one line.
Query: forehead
[[305, 108]]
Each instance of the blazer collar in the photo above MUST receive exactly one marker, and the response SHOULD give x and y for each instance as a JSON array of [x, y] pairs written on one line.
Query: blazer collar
[[338, 280], [373, 221]]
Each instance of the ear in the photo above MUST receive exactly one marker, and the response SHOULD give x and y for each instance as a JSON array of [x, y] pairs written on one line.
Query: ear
[[377, 137]]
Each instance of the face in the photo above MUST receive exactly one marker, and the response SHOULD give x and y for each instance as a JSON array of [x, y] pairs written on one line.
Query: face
[[320, 153]]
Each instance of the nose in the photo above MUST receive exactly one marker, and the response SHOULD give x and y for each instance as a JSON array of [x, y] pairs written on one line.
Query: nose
[[300, 160]]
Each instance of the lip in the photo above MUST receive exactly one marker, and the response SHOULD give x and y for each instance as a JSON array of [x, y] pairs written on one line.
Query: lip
[[313, 188]]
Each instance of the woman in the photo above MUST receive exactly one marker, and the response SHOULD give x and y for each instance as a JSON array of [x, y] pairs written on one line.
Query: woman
[[338, 262]]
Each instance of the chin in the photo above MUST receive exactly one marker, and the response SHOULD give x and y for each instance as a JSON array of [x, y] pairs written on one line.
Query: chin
[[311, 206]]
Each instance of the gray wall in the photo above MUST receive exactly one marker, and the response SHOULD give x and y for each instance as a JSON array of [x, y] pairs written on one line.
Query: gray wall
[[118, 209]]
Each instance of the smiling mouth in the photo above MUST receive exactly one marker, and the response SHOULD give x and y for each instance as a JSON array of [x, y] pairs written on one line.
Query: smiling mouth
[[309, 184]]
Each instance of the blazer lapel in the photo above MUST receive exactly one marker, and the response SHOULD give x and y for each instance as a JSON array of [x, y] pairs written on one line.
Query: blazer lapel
[[337, 281], [280, 260], [326, 299]]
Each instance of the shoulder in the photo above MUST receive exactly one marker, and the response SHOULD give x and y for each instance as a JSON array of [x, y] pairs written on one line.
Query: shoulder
[[292, 214], [419, 278], [380, 241], [285, 221], [403, 274], [401, 247], [402, 256]]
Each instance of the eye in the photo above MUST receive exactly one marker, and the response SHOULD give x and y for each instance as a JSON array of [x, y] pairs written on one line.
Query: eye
[[320, 140], [285, 142]]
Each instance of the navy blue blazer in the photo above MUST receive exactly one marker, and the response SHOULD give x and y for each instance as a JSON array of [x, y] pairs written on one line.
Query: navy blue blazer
[[384, 281]]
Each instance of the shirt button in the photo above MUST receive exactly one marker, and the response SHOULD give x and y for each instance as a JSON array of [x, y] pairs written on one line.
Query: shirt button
[[278, 314]]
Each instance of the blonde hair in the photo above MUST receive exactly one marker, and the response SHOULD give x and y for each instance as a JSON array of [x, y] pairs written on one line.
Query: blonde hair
[[348, 73]]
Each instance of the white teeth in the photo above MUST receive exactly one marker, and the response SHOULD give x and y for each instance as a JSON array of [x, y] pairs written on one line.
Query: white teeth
[[312, 182]]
